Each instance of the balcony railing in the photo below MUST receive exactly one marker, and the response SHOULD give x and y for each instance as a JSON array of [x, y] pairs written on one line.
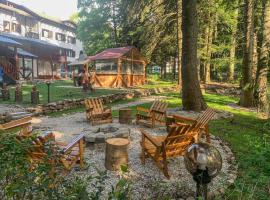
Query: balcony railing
[[32, 35]]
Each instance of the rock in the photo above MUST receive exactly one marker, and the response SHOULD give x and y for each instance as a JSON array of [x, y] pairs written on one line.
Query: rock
[[90, 138], [100, 137]]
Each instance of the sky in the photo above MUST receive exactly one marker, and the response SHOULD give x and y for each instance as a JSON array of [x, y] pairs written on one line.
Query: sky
[[61, 9]]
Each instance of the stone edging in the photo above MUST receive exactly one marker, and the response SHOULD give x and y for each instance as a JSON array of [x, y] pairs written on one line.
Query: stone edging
[[66, 104], [233, 167]]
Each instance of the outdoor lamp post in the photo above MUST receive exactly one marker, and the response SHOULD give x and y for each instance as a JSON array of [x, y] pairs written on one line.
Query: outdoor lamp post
[[48, 83], [204, 162]]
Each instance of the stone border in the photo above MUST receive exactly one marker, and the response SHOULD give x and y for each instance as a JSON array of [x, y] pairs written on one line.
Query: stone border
[[233, 167], [44, 109]]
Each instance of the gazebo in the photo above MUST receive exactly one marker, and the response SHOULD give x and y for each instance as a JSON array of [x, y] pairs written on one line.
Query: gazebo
[[118, 67]]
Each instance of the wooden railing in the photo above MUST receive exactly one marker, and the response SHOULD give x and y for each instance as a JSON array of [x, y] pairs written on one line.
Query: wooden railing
[[9, 68]]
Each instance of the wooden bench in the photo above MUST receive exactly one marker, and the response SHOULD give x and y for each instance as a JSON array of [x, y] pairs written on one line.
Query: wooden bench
[[70, 153], [180, 137], [24, 124], [150, 117], [96, 113]]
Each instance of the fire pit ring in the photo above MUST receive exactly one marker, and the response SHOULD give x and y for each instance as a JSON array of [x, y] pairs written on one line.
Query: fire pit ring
[[99, 134]]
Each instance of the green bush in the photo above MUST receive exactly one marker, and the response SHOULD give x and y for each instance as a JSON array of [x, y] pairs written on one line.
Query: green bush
[[20, 179]]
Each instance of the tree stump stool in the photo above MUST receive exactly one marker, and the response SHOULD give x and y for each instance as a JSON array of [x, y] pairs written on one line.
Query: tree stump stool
[[18, 94], [125, 116], [34, 95], [5, 93], [116, 153]]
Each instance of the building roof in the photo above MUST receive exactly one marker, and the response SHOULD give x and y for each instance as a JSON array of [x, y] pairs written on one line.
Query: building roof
[[16, 10], [112, 53], [22, 10], [24, 53], [77, 62], [19, 37], [9, 41]]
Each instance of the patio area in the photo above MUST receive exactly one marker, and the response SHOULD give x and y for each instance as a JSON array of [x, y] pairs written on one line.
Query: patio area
[[147, 180]]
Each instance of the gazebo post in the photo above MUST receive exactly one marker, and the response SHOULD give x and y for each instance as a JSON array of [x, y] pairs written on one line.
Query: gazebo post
[[145, 72], [16, 63], [119, 78], [23, 67], [32, 68]]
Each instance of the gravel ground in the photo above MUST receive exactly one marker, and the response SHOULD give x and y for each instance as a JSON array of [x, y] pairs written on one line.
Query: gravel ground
[[10, 108], [148, 182]]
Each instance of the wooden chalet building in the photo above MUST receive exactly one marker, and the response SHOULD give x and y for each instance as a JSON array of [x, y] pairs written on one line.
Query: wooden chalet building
[[41, 48]]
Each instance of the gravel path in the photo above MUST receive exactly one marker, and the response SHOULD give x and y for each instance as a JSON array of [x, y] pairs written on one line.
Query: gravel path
[[74, 124], [10, 108]]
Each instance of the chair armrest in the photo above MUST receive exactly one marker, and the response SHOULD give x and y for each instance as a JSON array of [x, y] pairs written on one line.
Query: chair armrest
[[181, 118], [142, 109], [151, 139], [159, 112], [89, 109], [73, 143], [181, 124], [107, 108]]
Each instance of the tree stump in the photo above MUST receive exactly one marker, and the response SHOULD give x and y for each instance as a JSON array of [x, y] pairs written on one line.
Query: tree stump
[[125, 116], [116, 153], [18, 94], [5, 93], [34, 95]]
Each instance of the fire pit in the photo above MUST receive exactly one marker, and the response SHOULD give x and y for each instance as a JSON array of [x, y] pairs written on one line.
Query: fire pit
[[103, 132]]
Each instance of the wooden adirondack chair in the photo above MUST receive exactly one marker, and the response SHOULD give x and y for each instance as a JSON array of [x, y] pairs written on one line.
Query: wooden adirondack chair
[[204, 118], [96, 113], [70, 154], [149, 117], [24, 124], [180, 137]]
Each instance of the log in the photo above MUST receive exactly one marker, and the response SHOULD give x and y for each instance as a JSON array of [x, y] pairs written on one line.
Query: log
[[116, 153], [125, 116]]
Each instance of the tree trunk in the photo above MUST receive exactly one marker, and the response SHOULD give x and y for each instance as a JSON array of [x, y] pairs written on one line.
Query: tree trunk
[[255, 57], [232, 59], [208, 43], [179, 41], [261, 81], [230, 75], [192, 98], [246, 98]]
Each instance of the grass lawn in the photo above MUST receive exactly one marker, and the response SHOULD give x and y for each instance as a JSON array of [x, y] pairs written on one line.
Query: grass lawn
[[154, 81], [249, 138], [59, 90]]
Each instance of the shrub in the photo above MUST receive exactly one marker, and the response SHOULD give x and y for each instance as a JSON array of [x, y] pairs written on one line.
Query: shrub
[[21, 179]]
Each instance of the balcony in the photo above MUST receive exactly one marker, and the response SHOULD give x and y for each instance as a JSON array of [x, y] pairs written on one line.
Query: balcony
[[31, 34]]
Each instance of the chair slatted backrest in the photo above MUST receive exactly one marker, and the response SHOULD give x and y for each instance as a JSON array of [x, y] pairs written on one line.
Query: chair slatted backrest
[[95, 104], [159, 107], [178, 139], [37, 151], [203, 119]]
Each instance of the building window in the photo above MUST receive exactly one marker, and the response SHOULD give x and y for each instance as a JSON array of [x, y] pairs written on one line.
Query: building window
[[6, 26], [46, 33], [71, 40], [67, 52], [16, 28], [60, 37], [32, 35]]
